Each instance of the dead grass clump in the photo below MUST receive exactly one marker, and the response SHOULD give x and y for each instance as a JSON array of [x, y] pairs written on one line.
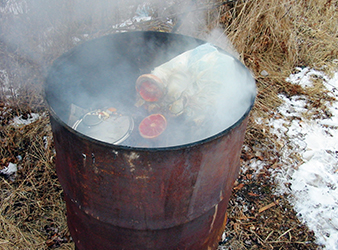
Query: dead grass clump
[[276, 36], [32, 210], [279, 35], [273, 38], [261, 34], [317, 106]]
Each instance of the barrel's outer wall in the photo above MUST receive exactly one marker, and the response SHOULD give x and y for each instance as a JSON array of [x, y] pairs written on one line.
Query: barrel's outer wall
[[130, 198]]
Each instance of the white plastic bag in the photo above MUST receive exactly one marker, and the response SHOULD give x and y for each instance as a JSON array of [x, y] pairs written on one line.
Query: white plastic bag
[[192, 82]]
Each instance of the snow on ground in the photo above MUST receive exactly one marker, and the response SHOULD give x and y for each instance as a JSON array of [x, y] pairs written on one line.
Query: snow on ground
[[9, 171], [19, 120], [314, 180], [142, 14]]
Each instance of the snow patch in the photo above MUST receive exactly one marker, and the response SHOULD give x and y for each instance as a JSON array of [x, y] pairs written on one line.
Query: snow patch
[[314, 182], [9, 171], [19, 120]]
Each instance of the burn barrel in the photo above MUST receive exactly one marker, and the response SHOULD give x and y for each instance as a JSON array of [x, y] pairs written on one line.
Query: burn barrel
[[136, 197]]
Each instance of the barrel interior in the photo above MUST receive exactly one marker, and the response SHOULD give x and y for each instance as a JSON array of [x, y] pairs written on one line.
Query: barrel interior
[[103, 72]]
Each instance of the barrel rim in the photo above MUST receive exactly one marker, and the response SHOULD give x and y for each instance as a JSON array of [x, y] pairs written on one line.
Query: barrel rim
[[154, 149]]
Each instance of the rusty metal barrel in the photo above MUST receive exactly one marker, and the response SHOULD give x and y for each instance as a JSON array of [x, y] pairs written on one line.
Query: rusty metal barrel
[[126, 197]]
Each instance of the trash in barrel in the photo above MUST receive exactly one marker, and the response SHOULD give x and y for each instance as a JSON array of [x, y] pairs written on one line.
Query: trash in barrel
[[148, 130]]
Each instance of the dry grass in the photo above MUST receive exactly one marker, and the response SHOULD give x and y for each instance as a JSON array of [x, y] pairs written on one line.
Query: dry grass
[[273, 35], [32, 208], [277, 36]]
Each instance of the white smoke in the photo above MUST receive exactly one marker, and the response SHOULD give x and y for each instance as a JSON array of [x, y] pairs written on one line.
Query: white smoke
[[42, 30]]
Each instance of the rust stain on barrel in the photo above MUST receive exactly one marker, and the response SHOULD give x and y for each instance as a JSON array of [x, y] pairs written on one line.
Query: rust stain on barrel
[[181, 192]]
